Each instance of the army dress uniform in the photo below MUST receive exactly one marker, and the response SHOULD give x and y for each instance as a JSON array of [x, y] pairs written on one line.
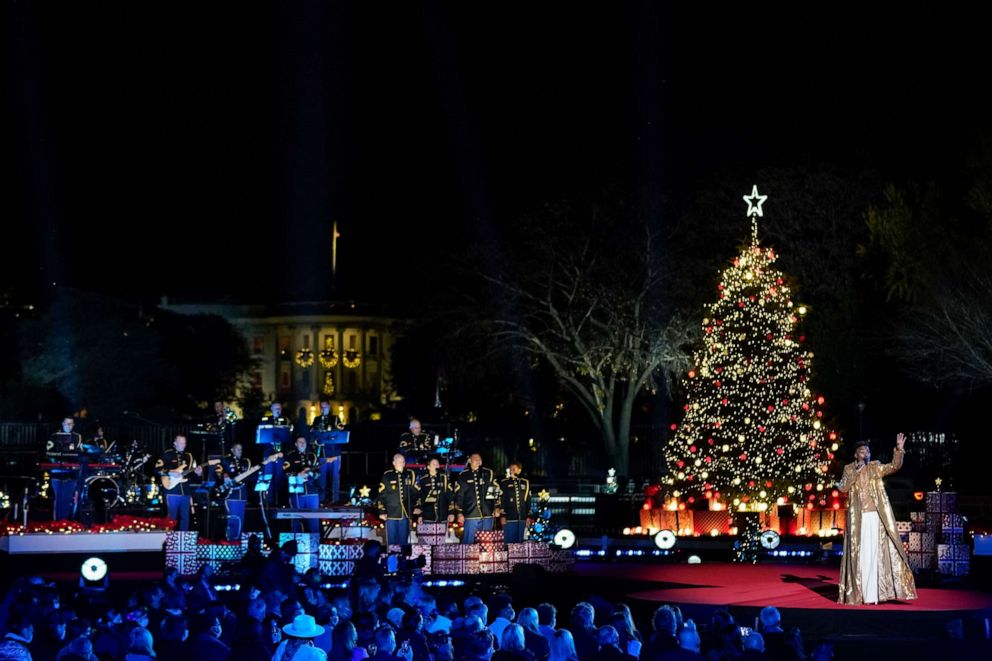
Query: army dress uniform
[[274, 469], [178, 499], [397, 495], [434, 498], [302, 489], [236, 500], [515, 507], [330, 471], [476, 498], [416, 443]]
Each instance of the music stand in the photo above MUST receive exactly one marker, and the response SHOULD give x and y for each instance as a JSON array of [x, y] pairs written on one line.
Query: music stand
[[262, 488], [297, 484], [274, 436], [332, 438]]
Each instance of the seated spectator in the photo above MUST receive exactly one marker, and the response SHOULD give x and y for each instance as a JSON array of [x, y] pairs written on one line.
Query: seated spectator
[[172, 637], [754, 646], [663, 640], [511, 645], [344, 644], [142, 647], [562, 646], [299, 633], [15, 645], [547, 621], [582, 619], [502, 607], [609, 644], [205, 644], [535, 643], [779, 644]]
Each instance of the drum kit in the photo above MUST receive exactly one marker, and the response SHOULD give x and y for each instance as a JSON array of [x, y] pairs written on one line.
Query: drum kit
[[108, 479]]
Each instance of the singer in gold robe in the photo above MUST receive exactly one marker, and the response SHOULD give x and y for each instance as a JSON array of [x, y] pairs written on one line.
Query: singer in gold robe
[[875, 567]]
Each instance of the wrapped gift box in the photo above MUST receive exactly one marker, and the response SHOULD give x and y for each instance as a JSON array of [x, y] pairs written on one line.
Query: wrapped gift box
[[445, 567], [942, 501], [339, 552], [219, 552], [561, 561], [431, 533], [951, 520], [490, 537], [456, 552], [494, 562], [921, 541], [528, 551], [181, 552], [336, 567], [953, 567], [921, 561], [953, 552], [307, 548], [705, 522], [953, 537], [904, 526]]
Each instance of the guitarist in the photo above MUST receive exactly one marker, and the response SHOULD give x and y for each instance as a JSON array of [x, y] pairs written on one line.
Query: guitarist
[[234, 464], [173, 466], [300, 468]]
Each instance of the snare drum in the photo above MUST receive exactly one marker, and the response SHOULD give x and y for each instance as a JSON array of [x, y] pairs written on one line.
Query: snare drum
[[102, 491]]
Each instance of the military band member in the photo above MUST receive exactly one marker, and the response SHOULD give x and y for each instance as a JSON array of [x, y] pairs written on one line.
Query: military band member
[[300, 466], [416, 440], [397, 493], [514, 503], [434, 495], [65, 483], [476, 498], [232, 465], [99, 439], [174, 467], [330, 465], [275, 418]]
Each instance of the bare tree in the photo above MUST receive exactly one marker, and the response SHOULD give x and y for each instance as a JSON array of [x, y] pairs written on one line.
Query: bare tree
[[588, 298], [949, 340]]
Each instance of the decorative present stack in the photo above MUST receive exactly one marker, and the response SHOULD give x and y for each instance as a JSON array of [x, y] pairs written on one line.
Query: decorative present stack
[[529, 553], [493, 556], [307, 544], [455, 559], [338, 559], [561, 561], [217, 555], [922, 542], [180, 552], [431, 534], [904, 528], [954, 555]]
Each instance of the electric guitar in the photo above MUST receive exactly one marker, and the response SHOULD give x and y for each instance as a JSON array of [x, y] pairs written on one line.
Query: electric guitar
[[225, 487], [174, 478]]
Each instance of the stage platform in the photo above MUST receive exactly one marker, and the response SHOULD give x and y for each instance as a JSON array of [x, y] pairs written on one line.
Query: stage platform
[[116, 542], [805, 594]]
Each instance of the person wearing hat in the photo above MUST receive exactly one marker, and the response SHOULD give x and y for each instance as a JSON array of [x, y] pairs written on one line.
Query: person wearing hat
[[298, 645], [874, 567]]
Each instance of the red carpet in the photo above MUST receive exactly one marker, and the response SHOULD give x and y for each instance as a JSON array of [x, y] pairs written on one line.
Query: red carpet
[[784, 586]]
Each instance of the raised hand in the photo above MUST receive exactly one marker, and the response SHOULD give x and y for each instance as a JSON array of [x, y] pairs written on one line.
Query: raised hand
[[900, 440]]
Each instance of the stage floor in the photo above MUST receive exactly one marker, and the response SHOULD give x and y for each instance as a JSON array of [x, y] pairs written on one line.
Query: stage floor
[[783, 586]]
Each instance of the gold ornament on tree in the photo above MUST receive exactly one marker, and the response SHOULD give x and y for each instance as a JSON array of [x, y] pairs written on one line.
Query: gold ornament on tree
[[328, 384]]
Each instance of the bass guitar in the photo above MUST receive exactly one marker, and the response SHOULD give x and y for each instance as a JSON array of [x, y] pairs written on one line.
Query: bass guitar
[[174, 478], [224, 488]]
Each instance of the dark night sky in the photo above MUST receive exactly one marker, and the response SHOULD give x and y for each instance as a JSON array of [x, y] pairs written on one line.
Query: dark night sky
[[203, 151]]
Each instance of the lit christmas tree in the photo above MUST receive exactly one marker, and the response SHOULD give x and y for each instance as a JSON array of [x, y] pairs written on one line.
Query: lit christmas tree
[[753, 435]]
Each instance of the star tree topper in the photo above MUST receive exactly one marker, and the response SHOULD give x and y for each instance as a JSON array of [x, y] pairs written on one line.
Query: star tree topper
[[754, 202]]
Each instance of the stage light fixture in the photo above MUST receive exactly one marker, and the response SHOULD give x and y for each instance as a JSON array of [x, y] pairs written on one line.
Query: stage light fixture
[[695, 560], [93, 569], [665, 539], [770, 539], [565, 538]]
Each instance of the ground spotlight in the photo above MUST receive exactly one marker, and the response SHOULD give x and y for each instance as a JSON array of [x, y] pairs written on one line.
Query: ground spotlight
[[565, 538], [770, 539], [695, 560], [93, 569], [665, 539]]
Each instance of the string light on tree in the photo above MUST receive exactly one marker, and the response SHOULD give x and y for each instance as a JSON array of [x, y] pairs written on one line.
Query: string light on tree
[[753, 433]]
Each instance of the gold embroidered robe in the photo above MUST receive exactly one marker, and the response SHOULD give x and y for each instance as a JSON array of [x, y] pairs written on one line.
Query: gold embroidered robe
[[895, 578]]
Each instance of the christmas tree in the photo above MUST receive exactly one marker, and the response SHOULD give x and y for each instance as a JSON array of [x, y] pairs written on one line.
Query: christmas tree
[[753, 435]]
